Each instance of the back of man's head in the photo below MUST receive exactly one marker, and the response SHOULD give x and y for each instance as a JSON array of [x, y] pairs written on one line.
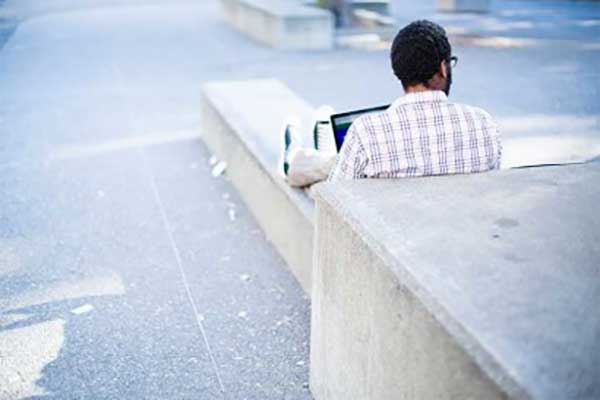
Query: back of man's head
[[417, 52]]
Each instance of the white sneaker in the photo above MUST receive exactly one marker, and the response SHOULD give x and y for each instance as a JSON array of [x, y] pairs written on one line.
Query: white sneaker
[[290, 139], [323, 139]]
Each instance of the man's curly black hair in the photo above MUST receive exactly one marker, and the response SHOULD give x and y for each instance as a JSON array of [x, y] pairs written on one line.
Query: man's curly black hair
[[417, 52]]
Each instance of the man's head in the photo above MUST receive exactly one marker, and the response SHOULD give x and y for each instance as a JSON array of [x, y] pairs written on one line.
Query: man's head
[[421, 57]]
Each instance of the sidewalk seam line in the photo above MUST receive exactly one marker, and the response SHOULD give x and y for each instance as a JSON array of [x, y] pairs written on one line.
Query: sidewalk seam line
[[167, 225], [177, 254]]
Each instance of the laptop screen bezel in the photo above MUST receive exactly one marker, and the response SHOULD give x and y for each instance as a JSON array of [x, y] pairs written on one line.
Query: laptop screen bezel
[[333, 118]]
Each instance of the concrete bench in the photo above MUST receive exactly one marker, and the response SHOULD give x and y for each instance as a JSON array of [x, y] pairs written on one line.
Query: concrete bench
[[462, 287], [477, 6], [372, 19], [283, 24], [378, 6], [241, 125], [467, 287]]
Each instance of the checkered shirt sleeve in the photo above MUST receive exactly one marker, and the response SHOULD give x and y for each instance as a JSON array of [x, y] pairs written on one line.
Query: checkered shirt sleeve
[[421, 134], [352, 159]]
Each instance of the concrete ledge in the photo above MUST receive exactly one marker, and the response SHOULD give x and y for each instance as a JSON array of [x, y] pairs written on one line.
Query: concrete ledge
[[477, 6], [283, 24], [467, 287], [462, 287], [241, 125], [378, 6]]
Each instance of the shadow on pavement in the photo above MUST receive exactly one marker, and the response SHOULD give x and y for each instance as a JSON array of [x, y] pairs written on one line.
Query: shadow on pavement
[[108, 346], [7, 27]]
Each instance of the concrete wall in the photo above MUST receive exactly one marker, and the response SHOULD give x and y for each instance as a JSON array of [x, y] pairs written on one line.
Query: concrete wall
[[241, 125], [371, 338], [478, 286]]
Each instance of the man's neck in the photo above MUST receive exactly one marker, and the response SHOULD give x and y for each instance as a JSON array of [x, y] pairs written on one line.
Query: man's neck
[[418, 88]]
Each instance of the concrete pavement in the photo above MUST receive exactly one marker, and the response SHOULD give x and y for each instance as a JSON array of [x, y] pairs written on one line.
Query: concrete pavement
[[126, 269]]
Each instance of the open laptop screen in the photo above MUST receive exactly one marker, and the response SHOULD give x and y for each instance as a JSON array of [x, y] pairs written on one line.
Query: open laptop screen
[[341, 122]]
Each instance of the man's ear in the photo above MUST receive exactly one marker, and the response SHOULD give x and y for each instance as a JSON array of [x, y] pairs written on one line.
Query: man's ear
[[444, 69]]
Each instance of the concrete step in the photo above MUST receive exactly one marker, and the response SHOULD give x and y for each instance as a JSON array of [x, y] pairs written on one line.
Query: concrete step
[[283, 24]]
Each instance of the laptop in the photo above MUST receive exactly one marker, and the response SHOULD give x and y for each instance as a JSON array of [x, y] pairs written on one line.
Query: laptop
[[340, 123]]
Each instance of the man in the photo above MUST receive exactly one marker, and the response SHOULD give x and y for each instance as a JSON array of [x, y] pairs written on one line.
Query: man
[[339, 8], [421, 133]]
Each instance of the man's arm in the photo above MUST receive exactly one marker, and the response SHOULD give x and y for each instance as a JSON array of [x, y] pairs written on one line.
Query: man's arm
[[352, 160], [498, 138], [493, 130]]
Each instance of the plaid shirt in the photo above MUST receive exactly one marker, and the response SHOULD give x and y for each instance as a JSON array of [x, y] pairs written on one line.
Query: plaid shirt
[[420, 134]]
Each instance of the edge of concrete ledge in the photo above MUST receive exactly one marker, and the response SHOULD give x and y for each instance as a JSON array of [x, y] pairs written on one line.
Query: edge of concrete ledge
[[285, 214], [267, 167]]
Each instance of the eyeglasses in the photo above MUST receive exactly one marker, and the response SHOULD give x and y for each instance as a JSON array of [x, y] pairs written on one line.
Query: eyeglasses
[[453, 61]]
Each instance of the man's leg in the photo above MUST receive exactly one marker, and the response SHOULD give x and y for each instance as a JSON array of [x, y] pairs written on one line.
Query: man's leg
[[303, 166], [309, 166]]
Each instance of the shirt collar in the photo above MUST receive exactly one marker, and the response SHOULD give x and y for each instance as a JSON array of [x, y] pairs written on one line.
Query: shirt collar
[[428, 96]]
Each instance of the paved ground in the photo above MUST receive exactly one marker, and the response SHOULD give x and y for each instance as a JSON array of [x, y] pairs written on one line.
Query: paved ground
[[126, 269], [107, 201]]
